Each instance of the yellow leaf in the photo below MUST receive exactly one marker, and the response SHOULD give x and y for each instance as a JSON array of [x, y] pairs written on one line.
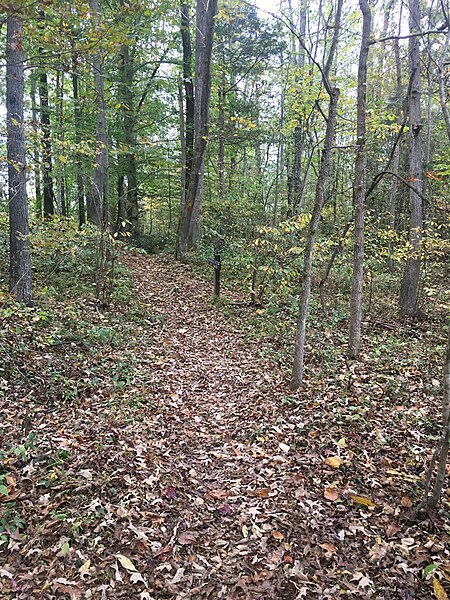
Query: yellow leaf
[[333, 461], [126, 563], [85, 567], [438, 590], [342, 443], [363, 500]]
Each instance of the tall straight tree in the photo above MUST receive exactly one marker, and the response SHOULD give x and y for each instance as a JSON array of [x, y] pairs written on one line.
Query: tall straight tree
[[47, 167], [191, 211], [319, 200], [354, 341], [20, 259], [411, 276], [98, 200]]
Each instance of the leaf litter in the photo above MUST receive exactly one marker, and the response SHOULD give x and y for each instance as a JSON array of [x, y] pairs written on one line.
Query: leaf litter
[[195, 480]]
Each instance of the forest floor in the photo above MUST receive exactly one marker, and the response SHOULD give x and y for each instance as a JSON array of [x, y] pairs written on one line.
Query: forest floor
[[173, 462]]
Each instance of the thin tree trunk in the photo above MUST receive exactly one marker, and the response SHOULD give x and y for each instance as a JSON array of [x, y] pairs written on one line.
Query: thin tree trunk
[[392, 204], [354, 341], [36, 147], [441, 450], [129, 116], [295, 196], [98, 207], [49, 196], [410, 282], [190, 218], [20, 283], [60, 138], [442, 86], [78, 161], [189, 95], [221, 155], [299, 353]]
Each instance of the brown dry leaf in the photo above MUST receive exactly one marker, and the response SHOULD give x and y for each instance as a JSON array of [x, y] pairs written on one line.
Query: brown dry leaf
[[406, 502], [364, 501], [331, 493], [330, 549], [187, 537], [263, 493], [392, 529], [278, 535], [438, 590], [333, 461], [216, 495]]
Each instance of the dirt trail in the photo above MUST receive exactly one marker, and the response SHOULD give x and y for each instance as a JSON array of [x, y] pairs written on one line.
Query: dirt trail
[[179, 472], [229, 471]]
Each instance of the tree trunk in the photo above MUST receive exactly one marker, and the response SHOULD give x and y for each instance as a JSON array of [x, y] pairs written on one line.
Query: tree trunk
[[392, 204], [295, 196], [60, 138], [324, 170], [78, 161], [189, 96], [354, 340], [98, 205], [442, 86], [441, 450], [20, 259], [190, 218], [36, 147], [47, 176], [129, 138], [410, 283], [221, 155]]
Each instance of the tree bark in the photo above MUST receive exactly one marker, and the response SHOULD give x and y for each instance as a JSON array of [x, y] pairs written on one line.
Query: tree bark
[[20, 283], [324, 170], [78, 161], [47, 169], [98, 204], [189, 95], [441, 450], [442, 86], [354, 341], [411, 276], [190, 218], [36, 147]]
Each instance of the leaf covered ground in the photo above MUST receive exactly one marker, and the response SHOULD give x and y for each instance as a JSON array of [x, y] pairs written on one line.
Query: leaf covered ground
[[156, 452]]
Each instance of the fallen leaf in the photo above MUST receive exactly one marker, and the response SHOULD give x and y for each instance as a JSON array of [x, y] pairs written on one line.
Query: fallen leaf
[[330, 549], [126, 562], [333, 461], [278, 535], [187, 538], [178, 575], [438, 590], [84, 569], [225, 509], [392, 529], [363, 500], [331, 493], [406, 502], [171, 492], [135, 577], [284, 447]]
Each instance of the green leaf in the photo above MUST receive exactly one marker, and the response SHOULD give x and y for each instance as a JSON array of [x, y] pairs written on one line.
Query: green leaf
[[429, 569], [65, 548], [4, 491]]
